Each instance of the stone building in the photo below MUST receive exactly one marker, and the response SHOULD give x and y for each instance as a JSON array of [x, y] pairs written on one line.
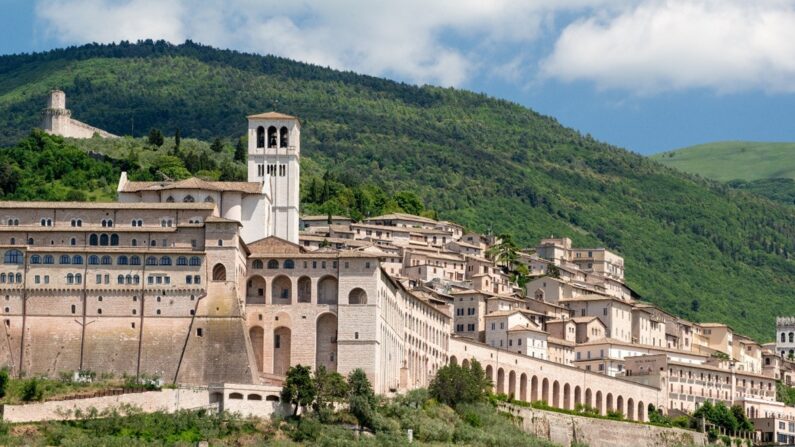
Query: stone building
[[57, 120]]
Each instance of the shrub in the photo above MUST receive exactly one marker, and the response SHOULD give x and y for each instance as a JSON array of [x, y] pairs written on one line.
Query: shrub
[[32, 390], [3, 381], [615, 414]]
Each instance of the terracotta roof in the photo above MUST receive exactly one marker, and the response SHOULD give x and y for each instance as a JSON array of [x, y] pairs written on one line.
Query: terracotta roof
[[194, 183], [107, 205], [560, 341], [402, 216], [324, 217], [274, 245], [272, 116]]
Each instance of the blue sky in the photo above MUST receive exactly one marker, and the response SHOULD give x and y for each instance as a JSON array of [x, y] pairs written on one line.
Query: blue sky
[[648, 75]]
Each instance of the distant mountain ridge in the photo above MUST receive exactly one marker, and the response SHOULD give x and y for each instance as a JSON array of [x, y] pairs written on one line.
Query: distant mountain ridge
[[695, 247]]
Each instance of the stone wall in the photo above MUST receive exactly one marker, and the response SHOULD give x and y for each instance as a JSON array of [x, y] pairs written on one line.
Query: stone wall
[[565, 429], [169, 400]]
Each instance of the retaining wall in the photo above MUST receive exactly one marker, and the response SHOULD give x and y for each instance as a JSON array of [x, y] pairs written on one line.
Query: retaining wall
[[565, 429]]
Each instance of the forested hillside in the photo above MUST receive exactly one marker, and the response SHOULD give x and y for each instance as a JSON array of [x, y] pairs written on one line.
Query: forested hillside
[[695, 247]]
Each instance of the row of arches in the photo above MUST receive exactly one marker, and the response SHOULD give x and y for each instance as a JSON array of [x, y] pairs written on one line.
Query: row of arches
[[285, 290], [282, 136], [281, 359], [560, 394]]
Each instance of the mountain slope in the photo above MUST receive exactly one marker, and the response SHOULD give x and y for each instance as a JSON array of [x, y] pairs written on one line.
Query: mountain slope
[[695, 247], [730, 160]]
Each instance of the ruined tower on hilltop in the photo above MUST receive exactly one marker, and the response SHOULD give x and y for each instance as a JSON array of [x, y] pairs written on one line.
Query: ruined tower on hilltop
[[57, 120]]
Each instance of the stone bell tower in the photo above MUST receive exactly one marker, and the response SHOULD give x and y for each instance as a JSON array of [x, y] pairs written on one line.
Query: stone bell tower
[[274, 151]]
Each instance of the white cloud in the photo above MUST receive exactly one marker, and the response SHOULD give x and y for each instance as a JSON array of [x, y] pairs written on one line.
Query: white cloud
[[659, 45], [409, 39]]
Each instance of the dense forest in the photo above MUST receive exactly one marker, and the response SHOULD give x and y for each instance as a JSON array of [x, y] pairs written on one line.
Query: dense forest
[[695, 247]]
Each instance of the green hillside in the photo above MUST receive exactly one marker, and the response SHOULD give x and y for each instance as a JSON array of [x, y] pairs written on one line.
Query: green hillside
[[734, 160], [696, 247]]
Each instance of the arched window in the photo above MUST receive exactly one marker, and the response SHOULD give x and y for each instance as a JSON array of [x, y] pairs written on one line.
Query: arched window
[[73, 241], [30, 241], [43, 222], [122, 260], [103, 239], [260, 136], [791, 337], [135, 260], [194, 260], [284, 137], [2, 278], [64, 259], [13, 241], [120, 279], [11, 278], [273, 264], [357, 296], [114, 239], [170, 199], [151, 260], [272, 137], [79, 222], [257, 264], [48, 259], [93, 260], [78, 278], [36, 259], [13, 257], [70, 278], [182, 260], [129, 279], [219, 272], [136, 279], [93, 240], [783, 337], [165, 260], [77, 260], [134, 242], [106, 260], [209, 199], [189, 199], [289, 264], [19, 278]]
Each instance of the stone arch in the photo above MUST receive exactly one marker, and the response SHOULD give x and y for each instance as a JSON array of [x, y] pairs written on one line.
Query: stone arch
[[357, 296], [272, 137], [490, 373], [281, 290], [257, 336], [254, 396], [327, 290], [545, 390], [260, 136], [282, 345], [534, 389], [512, 384], [453, 360], [219, 272], [284, 137], [500, 381], [255, 290], [567, 396], [556, 394], [588, 398], [577, 396], [523, 387], [620, 404], [631, 409], [304, 290], [465, 363], [326, 341]]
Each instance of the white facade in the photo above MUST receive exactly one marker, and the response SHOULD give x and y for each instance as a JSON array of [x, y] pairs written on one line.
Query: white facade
[[785, 336], [274, 150]]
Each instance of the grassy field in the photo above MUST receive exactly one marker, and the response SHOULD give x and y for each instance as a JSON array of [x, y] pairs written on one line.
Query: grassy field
[[734, 160]]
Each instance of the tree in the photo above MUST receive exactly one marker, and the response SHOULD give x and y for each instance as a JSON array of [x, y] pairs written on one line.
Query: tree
[[330, 388], [240, 150], [695, 305], [155, 137], [361, 398], [504, 252], [553, 271], [177, 139], [217, 145], [299, 387], [455, 384]]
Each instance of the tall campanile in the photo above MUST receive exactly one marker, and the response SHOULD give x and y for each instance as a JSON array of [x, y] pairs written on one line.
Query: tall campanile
[[274, 152]]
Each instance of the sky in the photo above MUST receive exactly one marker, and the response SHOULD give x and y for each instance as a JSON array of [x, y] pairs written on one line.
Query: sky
[[647, 75]]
